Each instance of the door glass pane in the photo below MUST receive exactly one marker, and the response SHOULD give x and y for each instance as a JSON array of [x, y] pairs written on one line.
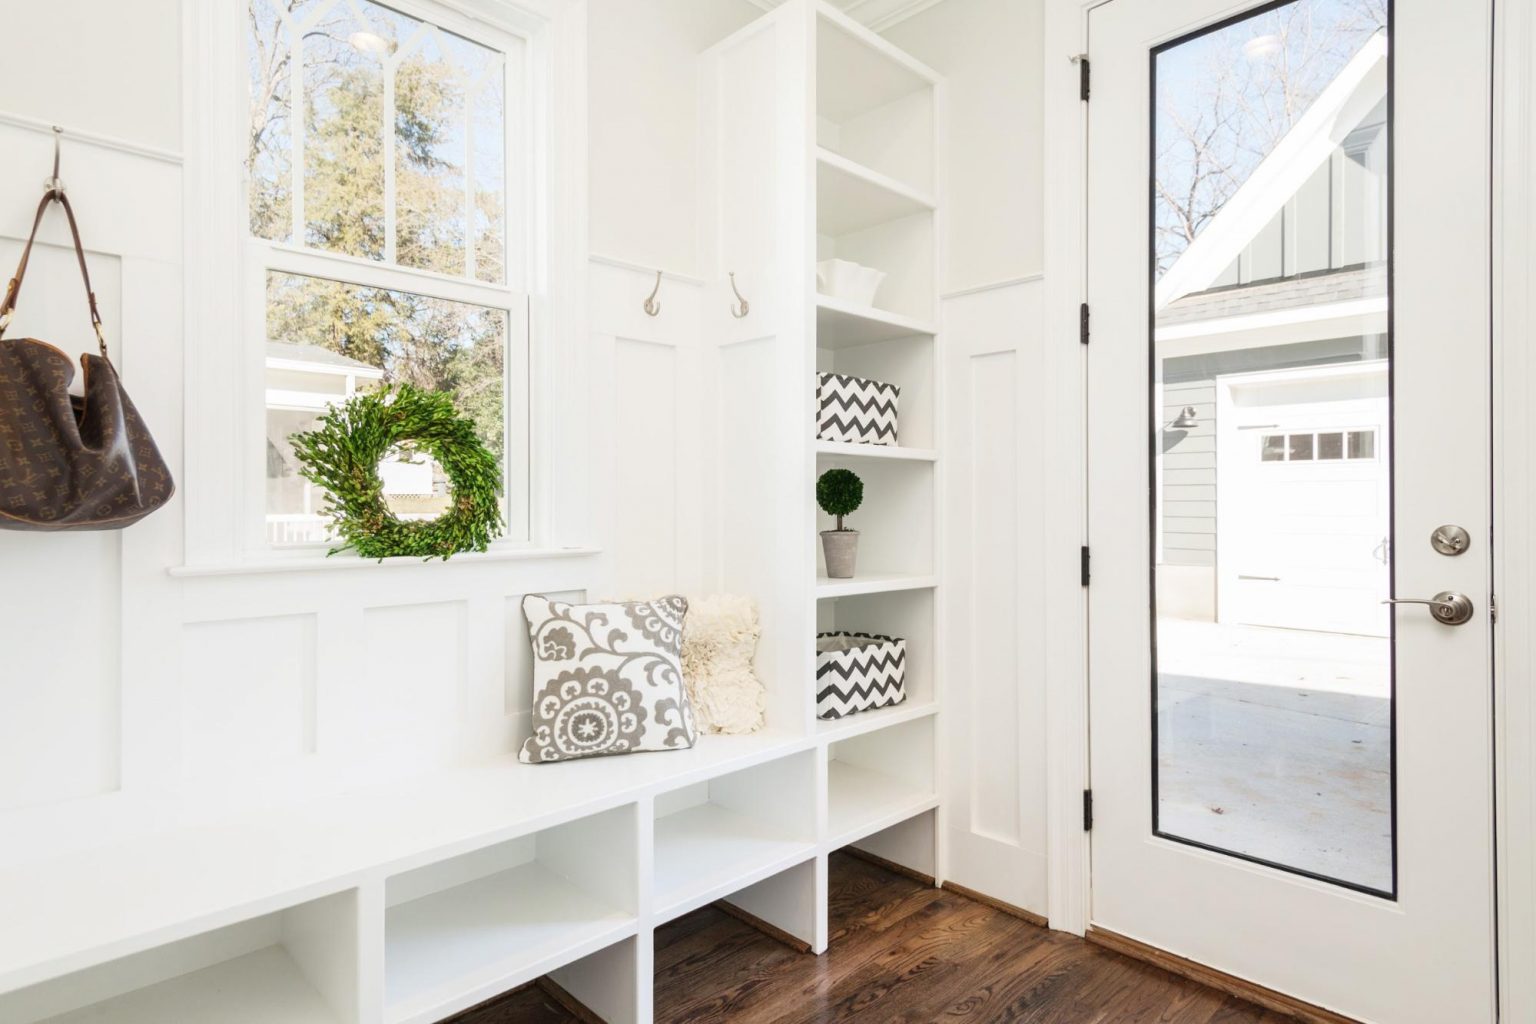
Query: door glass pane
[[1269, 249]]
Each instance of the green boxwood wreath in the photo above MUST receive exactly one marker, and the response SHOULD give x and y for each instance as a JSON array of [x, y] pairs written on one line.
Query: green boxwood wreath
[[342, 454]]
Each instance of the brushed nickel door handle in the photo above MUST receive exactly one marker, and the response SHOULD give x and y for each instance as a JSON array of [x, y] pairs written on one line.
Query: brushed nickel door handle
[[1448, 607]]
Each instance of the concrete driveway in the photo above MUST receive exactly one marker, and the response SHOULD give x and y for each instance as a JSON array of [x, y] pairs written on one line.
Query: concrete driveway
[[1277, 744]]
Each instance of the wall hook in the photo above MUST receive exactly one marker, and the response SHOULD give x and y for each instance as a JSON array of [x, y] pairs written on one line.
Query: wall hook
[[54, 184], [652, 307], [742, 307]]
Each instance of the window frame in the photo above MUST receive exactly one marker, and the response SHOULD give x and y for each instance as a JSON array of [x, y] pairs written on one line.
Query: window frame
[[225, 265], [263, 257]]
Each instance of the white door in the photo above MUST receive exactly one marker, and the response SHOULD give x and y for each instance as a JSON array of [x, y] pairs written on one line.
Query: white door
[[1288, 208]]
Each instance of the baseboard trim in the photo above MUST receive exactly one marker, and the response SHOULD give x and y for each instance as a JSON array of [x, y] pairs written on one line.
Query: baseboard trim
[[799, 945], [889, 865], [1210, 977], [996, 904]]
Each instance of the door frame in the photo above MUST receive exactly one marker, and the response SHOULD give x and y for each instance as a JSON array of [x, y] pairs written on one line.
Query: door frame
[[1065, 173]]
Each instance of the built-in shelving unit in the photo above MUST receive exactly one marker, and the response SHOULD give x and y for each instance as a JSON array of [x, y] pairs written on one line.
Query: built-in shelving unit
[[409, 901], [876, 184]]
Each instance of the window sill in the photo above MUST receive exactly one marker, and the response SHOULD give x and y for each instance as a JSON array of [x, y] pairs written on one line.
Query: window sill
[[335, 563]]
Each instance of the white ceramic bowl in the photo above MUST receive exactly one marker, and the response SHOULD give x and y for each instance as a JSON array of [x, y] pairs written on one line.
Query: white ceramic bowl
[[849, 281]]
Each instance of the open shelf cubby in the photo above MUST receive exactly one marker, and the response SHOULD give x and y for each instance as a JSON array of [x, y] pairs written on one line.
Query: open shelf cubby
[[461, 930], [878, 779], [874, 104], [908, 614], [716, 837], [895, 521], [292, 966], [907, 361]]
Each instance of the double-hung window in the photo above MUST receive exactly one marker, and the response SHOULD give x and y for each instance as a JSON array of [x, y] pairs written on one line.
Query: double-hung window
[[388, 180]]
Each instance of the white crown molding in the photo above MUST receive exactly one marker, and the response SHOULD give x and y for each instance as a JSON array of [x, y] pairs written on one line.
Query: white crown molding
[[878, 15]]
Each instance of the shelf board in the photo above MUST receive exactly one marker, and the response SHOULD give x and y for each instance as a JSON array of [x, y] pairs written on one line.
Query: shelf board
[[834, 729], [873, 583], [706, 852], [876, 451], [843, 324], [264, 987], [454, 948], [851, 197], [861, 802]]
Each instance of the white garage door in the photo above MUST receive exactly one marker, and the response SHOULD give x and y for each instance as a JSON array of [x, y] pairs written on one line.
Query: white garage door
[[1302, 523]]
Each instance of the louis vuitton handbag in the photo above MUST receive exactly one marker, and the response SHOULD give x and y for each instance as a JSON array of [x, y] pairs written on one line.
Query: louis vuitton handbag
[[70, 462]]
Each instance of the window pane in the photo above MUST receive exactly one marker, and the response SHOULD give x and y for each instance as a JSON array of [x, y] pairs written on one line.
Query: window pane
[[1272, 650], [446, 124], [344, 135], [329, 339], [269, 56], [447, 118]]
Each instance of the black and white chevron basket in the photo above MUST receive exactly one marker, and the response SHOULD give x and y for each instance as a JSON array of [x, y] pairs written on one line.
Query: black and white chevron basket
[[854, 409], [869, 672]]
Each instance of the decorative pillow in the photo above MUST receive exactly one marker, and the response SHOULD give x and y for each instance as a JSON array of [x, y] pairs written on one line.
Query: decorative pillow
[[606, 678], [718, 646]]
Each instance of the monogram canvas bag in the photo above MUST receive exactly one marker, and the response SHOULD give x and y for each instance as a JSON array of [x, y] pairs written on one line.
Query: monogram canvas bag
[[70, 462]]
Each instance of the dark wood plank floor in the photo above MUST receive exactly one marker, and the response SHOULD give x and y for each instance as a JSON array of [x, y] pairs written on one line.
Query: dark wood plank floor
[[901, 953]]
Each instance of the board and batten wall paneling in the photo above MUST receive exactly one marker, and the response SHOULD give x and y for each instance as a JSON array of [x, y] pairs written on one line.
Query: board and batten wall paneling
[[995, 686], [647, 435]]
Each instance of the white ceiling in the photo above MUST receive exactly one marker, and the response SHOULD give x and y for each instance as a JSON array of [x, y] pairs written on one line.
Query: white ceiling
[[877, 14]]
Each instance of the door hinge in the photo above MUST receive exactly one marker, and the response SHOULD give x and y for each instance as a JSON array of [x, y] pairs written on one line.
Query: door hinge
[[1083, 76], [1087, 810], [1493, 609], [1082, 323], [1085, 565]]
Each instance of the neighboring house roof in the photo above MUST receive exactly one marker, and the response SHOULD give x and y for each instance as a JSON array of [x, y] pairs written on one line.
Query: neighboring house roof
[[1357, 89], [318, 359], [1320, 289]]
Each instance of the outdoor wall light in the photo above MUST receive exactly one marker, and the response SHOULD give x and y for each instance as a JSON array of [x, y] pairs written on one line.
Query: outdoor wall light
[[1186, 421]]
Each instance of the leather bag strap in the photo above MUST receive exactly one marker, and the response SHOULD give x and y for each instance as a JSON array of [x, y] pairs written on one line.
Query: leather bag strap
[[8, 306]]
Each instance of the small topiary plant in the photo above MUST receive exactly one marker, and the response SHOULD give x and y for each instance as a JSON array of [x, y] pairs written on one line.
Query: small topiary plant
[[839, 492]]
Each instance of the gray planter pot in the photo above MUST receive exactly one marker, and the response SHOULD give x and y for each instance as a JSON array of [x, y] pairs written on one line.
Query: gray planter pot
[[841, 548]]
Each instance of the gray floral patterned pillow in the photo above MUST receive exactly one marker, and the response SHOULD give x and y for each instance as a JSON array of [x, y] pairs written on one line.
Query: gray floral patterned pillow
[[607, 678]]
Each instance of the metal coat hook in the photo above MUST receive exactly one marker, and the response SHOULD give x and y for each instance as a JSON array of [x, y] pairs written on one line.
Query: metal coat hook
[[652, 307], [742, 307], [55, 184]]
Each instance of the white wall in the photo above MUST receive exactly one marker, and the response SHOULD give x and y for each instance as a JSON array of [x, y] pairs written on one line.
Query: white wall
[[644, 124], [134, 695], [97, 66], [989, 51]]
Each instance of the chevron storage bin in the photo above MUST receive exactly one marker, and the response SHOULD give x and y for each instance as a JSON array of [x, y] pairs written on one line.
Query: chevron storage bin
[[854, 409], [857, 672]]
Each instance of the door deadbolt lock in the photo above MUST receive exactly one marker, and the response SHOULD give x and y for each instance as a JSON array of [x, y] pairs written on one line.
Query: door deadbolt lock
[[1448, 607], [1450, 540]]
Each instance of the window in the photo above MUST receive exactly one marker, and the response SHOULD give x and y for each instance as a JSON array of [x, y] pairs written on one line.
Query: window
[[387, 205], [1323, 446]]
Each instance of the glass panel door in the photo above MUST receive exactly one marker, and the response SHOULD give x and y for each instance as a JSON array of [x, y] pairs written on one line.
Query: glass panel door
[[1271, 440]]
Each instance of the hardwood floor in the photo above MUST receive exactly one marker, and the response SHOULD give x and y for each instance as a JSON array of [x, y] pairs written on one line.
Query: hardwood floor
[[900, 952]]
